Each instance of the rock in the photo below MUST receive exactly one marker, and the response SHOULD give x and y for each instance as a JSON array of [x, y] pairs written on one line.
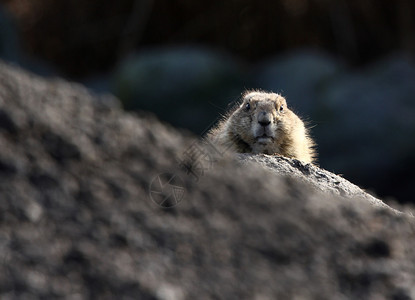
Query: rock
[[82, 224], [370, 116], [319, 178], [9, 48], [182, 86]]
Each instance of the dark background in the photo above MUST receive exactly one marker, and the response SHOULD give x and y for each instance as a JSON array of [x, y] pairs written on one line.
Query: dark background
[[346, 67]]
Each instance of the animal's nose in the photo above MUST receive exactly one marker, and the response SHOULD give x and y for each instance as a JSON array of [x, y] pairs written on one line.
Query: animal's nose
[[264, 119], [264, 123]]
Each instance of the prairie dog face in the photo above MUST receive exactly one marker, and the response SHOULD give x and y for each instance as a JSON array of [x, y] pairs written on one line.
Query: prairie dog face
[[258, 118]]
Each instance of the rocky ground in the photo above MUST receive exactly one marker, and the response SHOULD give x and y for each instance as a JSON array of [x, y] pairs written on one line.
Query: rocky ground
[[79, 213]]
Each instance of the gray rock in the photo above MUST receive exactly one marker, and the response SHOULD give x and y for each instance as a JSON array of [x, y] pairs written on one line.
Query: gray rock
[[9, 46], [319, 178], [182, 85], [77, 219], [370, 116]]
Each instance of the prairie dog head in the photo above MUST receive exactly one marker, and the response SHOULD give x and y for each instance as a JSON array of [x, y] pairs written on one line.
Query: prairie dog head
[[258, 120]]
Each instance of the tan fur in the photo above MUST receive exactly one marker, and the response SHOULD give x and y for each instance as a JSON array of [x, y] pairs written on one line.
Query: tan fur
[[280, 131]]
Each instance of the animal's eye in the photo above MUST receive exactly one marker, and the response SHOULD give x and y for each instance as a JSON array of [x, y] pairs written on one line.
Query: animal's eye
[[281, 108], [248, 106]]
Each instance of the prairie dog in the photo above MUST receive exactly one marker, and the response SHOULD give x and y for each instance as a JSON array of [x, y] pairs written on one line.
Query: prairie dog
[[263, 123]]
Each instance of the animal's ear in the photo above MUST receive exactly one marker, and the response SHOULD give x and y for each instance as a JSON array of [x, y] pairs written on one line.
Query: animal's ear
[[247, 95], [281, 100]]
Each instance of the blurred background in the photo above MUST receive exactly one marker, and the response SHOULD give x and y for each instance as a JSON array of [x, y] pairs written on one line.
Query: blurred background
[[346, 67]]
